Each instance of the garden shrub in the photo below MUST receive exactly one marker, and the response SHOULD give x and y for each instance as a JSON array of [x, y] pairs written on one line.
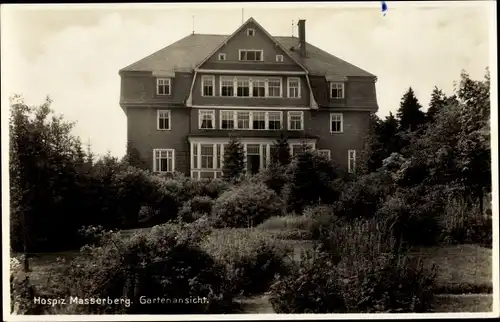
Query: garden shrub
[[361, 271], [196, 208], [275, 177], [134, 189], [320, 219], [251, 258], [22, 291], [163, 262], [312, 179], [246, 205], [363, 196], [412, 215]]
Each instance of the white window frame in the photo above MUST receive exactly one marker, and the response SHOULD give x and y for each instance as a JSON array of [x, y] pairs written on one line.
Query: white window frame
[[222, 56], [342, 87], [290, 79], [290, 113], [172, 160], [235, 121], [325, 151], [351, 156], [169, 116], [279, 58], [252, 50], [332, 115], [211, 78], [201, 113], [249, 120], [234, 80], [227, 78], [252, 31], [168, 82], [281, 86], [268, 120]]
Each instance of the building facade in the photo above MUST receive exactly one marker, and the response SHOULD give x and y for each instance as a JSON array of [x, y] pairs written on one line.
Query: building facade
[[184, 102]]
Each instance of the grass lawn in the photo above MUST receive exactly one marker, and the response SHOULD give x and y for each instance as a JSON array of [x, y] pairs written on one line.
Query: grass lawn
[[461, 268]]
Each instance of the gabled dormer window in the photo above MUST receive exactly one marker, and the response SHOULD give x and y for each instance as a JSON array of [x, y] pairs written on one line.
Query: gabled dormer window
[[222, 56], [163, 86], [336, 90], [251, 55], [250, 32]]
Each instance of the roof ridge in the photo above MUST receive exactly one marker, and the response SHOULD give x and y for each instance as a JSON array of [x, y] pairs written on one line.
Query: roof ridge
[[155, 53]]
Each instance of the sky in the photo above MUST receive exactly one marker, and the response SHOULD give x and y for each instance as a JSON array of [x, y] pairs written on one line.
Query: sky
[[73, 52]]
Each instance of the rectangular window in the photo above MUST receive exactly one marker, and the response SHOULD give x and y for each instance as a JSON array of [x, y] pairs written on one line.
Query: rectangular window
[[351, 161], [222, 56], [259, 120], [274, 87], [227, 86], [218, 163], [163, 86], [293, 87], [275, 120], [279, 58], [207, 156], [163, 119], [251, 55], [206, 119], [227, 120], [336, 90], [243, 87], [336, 125], [325, 153], [208, 85], [296, 120], [195, 155], [243, 119], [250, 32], [296, 149], [258, 87], [164, 160]]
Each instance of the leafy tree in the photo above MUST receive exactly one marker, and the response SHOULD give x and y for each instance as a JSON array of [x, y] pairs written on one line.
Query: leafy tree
[[438, 101], [45, 160], [234, 160], [383, 140], [133, 157], [281, 151], [409, 114]]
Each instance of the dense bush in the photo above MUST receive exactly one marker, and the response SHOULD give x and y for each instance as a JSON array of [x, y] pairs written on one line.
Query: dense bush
[[22, 291], [363, 196], [360, 272], [320, 218], [275, 177], [195, 208], [165, 262], [246, 205], [312, 179], [251, 258], [413, 215]]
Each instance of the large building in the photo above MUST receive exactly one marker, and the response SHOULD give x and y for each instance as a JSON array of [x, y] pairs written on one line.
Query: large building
[[184, 102]]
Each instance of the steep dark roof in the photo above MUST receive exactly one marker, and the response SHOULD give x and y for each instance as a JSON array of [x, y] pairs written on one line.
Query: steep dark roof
[[186, 53]]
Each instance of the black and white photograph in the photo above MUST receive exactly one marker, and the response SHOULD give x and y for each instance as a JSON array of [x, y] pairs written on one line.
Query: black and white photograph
[[201, 161]]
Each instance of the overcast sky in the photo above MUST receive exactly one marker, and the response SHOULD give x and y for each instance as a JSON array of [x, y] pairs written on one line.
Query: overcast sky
[[74, 53]]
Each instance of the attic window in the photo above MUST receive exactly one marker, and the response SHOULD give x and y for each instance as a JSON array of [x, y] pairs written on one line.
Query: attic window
[[251, 55], [250, 32], [336, 90], [222, 56], [279, 58]]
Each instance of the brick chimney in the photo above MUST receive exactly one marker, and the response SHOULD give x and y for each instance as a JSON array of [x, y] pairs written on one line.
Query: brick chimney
[[302, 37]]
